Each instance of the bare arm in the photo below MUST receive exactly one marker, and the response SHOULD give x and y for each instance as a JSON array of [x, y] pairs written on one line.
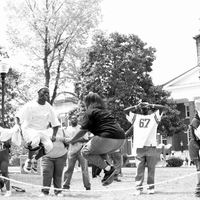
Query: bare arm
[[17, 120], [55, 130], [127, 110], [80, 134], [129, 132]]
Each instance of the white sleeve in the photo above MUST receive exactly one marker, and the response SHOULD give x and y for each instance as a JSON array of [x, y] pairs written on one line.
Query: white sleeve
[[197, 132], [130, 117]]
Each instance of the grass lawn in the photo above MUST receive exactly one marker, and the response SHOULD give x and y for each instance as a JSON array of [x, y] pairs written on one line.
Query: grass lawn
[[171, 183]]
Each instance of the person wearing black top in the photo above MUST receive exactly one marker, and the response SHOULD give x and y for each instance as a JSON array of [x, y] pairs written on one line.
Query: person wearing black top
[[108, 135], [4, 161]]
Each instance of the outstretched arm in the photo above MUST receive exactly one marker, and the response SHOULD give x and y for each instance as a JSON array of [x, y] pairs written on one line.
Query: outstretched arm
[[80, 134], [55, 130], [129, 132], [131, 108]]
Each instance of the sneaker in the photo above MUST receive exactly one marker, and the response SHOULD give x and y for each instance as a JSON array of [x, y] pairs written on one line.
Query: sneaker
[[8, 193], [88, 188], [34, 166], [137, 192], [59, 195], [150, 191], [109, 176], [117, 180], [28, 165], [43, 194], [65, 187]]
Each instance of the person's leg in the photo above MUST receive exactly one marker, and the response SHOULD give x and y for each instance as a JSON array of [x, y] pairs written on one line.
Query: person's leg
[[45, 145], [4, 172], [98, 171], [59, 164], [116, 158], [85, 174], [94, 171], [32, 139], [47, 173], [194, 156], [98, 146], [140, 162], [151, 165], [96, 150], [71, 160]]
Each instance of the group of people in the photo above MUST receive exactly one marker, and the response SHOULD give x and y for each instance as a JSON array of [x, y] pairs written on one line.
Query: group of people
[[39, 125]]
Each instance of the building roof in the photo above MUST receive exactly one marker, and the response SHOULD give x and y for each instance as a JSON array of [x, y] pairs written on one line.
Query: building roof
[[177, 77]]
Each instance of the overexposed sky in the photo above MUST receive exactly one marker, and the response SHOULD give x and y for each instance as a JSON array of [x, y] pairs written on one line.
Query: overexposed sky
[[167, 25]]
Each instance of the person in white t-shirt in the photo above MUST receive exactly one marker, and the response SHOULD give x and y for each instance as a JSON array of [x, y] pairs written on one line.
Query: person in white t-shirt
[[74, 155], [144, 118], [34, 118]]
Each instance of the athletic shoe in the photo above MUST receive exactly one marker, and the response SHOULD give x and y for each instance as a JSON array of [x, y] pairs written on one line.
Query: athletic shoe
[[28, 165], [34, 166], [8, 193], [59, 195], [117, 180], [137, 192], [88, 188], [43, 194], [109, 176], [150, 191], [65, 187]]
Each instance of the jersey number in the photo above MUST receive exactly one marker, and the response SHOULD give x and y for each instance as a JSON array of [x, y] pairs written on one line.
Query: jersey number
[[144, 123]]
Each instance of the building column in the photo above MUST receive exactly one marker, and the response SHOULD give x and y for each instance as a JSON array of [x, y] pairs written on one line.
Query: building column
[[191, 109]]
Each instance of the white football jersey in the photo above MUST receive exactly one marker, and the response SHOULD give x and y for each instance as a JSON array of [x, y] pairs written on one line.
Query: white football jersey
[[144, 129]]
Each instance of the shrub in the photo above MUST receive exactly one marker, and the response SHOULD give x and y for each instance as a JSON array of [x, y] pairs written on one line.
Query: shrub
[[174, 162], [15, 152]]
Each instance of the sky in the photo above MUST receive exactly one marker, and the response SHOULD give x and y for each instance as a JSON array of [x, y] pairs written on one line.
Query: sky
[[167, 25]]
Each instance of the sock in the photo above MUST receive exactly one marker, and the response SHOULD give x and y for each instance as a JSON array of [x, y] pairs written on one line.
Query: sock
[[108, 168]]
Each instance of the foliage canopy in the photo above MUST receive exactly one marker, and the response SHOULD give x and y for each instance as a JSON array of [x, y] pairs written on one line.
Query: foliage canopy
[[118, 68]]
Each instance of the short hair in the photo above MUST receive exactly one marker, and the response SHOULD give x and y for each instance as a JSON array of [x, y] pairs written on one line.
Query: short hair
[[44, 87], [93, 100]]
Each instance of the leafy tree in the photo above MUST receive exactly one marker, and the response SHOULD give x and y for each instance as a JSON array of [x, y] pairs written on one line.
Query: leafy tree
[[117, 67], [10, 90], [53, 34]]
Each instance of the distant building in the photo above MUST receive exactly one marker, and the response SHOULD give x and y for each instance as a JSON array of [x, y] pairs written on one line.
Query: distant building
[[184, 89], [63, 107]]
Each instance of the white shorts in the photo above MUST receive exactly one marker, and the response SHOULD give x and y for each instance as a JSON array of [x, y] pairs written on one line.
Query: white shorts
[[37, 136]]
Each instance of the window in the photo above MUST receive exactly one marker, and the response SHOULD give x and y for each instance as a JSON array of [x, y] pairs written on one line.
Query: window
[[187, 111]]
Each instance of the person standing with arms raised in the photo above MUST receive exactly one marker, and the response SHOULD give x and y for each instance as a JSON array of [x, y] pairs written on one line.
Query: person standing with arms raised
[[144, 118]]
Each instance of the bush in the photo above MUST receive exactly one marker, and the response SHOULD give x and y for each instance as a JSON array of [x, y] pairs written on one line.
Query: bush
[[174, 162], [15, 152]]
